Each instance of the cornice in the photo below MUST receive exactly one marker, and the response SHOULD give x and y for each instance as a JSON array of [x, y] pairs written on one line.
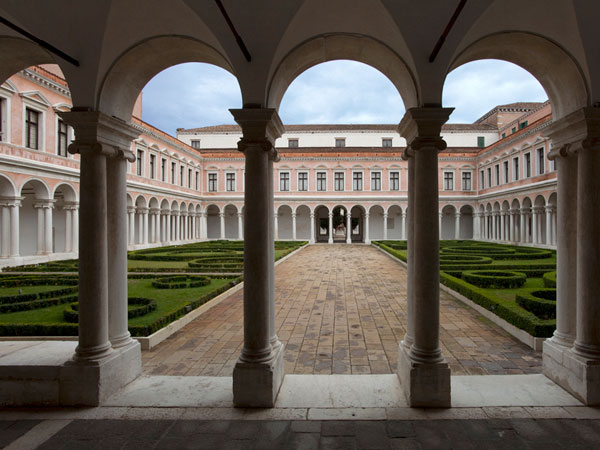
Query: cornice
[[45, 82]]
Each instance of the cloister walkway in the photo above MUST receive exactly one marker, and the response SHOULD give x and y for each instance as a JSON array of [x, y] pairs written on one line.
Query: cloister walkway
[[340, 309]]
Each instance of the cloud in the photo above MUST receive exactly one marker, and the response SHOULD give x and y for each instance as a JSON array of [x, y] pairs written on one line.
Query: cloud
[[195, 95]]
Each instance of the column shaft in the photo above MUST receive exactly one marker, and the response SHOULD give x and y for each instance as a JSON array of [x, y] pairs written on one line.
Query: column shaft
[[5, 231], [457, 226], [293, 226], [48, 247], [331, 227], [40, 230], [348, 228], [385, 231], [312, 228], [14, 229], [367, 237], [68, 231]]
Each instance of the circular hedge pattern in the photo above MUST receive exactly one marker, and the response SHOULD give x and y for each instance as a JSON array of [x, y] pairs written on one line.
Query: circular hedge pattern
[[142, 307], [180, 282], [541, 302], [549, 279], [494, 278]]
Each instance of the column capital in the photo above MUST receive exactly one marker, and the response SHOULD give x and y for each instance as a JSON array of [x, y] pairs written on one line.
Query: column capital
[[11, 201], [260, 128], [421, 127], [550, 208], [312, 215], [131, 209], [385, 214], [526, 210], [513, 211], [457, 214], [538, 209], [293, 214], [142, 210], [579, 130], [154, 211], [44, 203], [97, 132]]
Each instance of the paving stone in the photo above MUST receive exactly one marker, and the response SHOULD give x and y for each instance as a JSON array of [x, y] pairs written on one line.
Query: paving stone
[[306, 426], [372, 435], [302, 441], [338, 443], [11, 430], [338, 428]]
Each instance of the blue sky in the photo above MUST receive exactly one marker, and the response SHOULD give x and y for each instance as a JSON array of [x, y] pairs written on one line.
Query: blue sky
[[196, 95]]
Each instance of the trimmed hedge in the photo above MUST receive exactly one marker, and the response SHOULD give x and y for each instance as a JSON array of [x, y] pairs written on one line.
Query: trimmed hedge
[[550, 279], [145, 306], [494, 278], [180, 281], [541, 302], [37, 296], [35, 304]]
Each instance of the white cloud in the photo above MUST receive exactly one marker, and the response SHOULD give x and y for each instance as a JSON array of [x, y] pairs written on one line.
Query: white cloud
[[195, 95]]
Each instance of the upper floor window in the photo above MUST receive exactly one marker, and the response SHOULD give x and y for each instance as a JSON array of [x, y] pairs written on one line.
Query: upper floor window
[[32, 131], [173, 173], [497, 170], [152, 166], [448, 181], [503, 135], [480, 141], [482, 180], [284, 181], [489, 175], [386, 142], [554, 165], [357, 181], [541, 160], [62, 139], [466, 181], [140, 163], [196, 143], [523, 125], [394, 181], [375, 181], [189, 178], [293, 143], [339, 181], [321, 181], [505, 167], [516, 169], [513, 130], [181, 175], [230, 182], [527, 165], [303, 181], [3, 116], [197, 180], [212, 182], [340, 142], [163, 170]]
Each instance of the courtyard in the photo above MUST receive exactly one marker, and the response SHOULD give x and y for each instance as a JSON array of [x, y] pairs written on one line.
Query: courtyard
[[340, 309]]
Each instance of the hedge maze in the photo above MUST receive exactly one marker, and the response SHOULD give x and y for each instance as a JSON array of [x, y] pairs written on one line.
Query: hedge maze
[[173, 281], [516, 283]]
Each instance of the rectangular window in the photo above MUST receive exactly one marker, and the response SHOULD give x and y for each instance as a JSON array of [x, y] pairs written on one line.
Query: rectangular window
[[321, 181], [212, 182], [181, 175], [63, 136], [480, 141], [541, 161], [357, 181], [230, 182], [340, 142], [523, 125], [448, 181], [339, 181], [189, 178], [516, 168], [466, 181], [196, 143], [503, 135], [505, 167], [140, 163], [394, 181], [527, 165], [293, 143], [163, 170], [2, 116], [32, 119], [303, 181], [482, 181], [375, 181], [152, 166], [386, 142], [497, 170], [173, 173], [554, 165], [284, 181], [197, 180], [513, 130], [489, 174]]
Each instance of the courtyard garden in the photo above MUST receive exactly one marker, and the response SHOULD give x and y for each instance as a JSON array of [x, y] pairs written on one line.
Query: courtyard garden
[[163, 285], [516, 283]]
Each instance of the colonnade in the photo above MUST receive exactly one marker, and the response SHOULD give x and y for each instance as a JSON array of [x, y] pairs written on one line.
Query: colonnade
[[533, 225], [164, 226]]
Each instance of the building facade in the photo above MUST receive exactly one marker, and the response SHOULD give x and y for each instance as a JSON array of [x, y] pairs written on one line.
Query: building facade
[[332, 183]]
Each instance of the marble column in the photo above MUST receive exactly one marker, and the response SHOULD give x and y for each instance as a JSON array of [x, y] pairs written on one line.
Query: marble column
[[494, 217], [5, 231], [457, 225], [145, 218], [68, 231], [40, 228], [503, 225], [312, 228], [131, 211], [293, 226], [276, 226], [423, 371], [440, 216], [385, 231], [549, 213], [534, 225], [408, 340], [258, 373], [348, 228], [512, 225], [330, 241], [476, 226], [403, 231], [367, 236], [48, 245], [204, 225], [14, 228], [194, 233], [523, 225]]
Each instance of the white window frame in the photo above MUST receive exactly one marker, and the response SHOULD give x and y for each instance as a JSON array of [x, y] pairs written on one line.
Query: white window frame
[[193, 141], [58, 120], [462, 181], [190, 171], [343, 139], [505, 171], [317, 172], [384, 140], [289, 181], [516, 174], [164, 170], [28, 104], [173, 172], [216, 174], [151, 175], [6, 115], [482, 178], [343, 173], [362, 180], [497, 174], [541, 170], [526, 175], [305, 172], [373, 172], [296, 140], [197, 179], [139, 166], [391, 171], [182, 175], [230, 172], [451, 173]]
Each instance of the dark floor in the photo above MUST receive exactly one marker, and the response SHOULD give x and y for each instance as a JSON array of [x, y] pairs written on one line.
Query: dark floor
[[347, 435]]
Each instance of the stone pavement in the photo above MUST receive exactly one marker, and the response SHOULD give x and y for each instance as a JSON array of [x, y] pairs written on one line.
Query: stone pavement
[[340, 309], [294, 435]]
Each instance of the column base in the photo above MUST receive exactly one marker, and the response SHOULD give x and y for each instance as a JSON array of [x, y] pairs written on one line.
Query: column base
[[424, 385], [91, 383], [577, 375], [256, 385]]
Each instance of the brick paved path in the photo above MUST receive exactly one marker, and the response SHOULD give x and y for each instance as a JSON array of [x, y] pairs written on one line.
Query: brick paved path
[[340, 309]]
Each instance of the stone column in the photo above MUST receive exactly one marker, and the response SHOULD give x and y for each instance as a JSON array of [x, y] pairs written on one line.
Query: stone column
[[258, 373], [572, 357], [409, 338], [367, 238], [476, 226], [204, 225], [14, 228], [348, 228], [68, 231], [534, 225], [549, 212], [441, 216], [75, 228], [312, 228], [241, 226], [512, 225], [276, 226], [194, 234], [457, 225], [102, 142], [40, 228], [494, 217], [385, 231], [131, 211], [423, 371], [152, 225], [403, 231], [523, 225], [503, 225], [293, 226], [48, 246], [5, 231], [145, 212], [330, 227]]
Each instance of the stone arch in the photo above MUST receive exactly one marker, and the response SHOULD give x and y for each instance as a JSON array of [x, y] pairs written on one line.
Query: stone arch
[[448, 222], [129, 74], [284, 223], [376, 224], [395, 224], [7, 186], [63, 218], [231, 221], [303, 222], [353, 47], [33, 230], [357, 213], [18, 54], [213, 222], [555, 69], [321, 223]]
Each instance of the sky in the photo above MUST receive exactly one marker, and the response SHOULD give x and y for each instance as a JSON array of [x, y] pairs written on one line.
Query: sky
[[196, 95]]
